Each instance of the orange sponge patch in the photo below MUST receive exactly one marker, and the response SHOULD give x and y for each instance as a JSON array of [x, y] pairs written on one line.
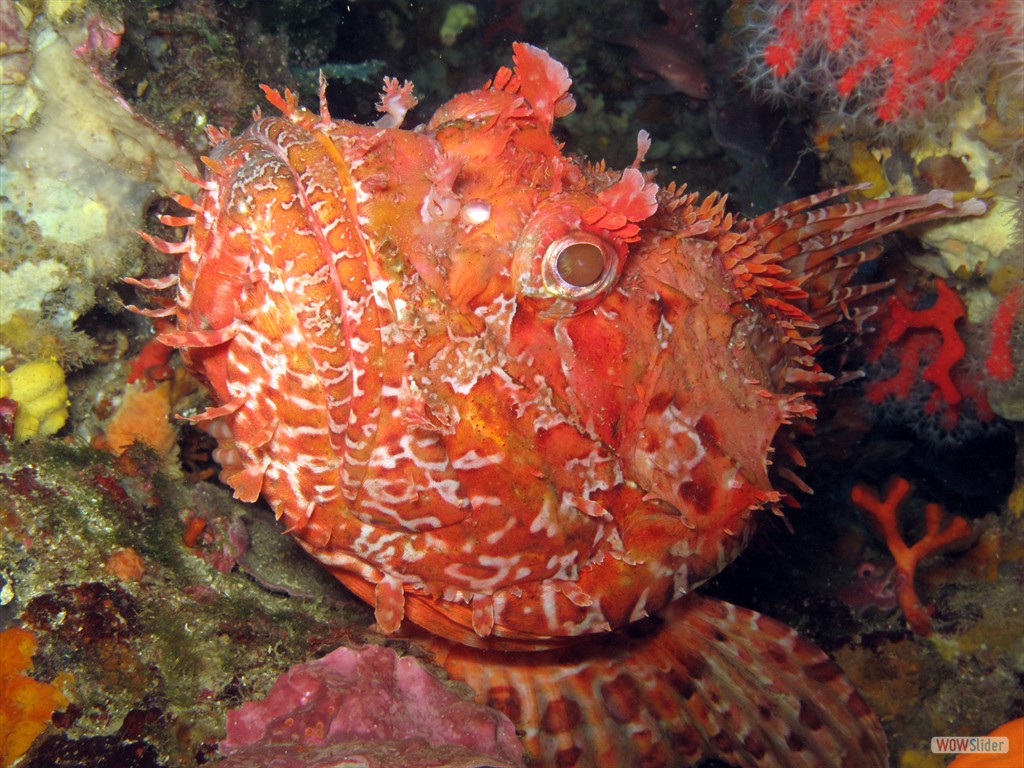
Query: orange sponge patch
[[26, 705], [144, 416]]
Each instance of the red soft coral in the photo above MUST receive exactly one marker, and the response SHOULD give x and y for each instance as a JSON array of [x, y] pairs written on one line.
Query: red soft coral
[[1007, 323], [881, 60], [152, 365]]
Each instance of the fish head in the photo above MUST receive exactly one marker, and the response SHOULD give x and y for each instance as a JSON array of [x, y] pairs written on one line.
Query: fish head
[[607, 311]]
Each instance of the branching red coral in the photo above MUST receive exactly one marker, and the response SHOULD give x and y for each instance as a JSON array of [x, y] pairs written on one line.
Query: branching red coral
[[942, 317], [883, 513], [927, 349]]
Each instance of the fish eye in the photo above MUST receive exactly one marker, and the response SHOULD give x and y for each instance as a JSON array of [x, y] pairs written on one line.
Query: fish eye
[[578, 266]]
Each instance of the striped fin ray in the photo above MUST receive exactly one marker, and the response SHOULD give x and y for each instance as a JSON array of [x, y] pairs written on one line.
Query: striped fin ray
[[704, 680], [799, 260], [813, 244]]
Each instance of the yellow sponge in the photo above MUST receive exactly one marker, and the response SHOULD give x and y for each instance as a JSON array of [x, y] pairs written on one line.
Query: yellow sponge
[[42, 396]]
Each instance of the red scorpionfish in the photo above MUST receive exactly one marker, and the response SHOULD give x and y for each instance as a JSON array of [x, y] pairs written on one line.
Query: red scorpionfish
[[527, 405]]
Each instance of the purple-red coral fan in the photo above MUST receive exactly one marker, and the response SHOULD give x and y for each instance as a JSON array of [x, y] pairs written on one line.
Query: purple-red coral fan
[[366, 707], [885, 61]]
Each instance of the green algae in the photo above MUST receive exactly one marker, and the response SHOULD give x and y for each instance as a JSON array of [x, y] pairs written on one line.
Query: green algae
[[189, 639]]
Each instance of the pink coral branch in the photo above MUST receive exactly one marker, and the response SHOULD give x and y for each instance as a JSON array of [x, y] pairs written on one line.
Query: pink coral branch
[[883, 512]]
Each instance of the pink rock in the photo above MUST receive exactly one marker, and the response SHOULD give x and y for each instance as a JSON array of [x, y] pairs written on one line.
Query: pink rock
[[366, 707]]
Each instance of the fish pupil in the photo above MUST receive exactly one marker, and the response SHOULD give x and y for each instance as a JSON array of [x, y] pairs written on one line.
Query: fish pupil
[[580, 264]]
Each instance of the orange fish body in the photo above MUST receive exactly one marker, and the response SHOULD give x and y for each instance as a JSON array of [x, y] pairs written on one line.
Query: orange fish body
[[522, 402]]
